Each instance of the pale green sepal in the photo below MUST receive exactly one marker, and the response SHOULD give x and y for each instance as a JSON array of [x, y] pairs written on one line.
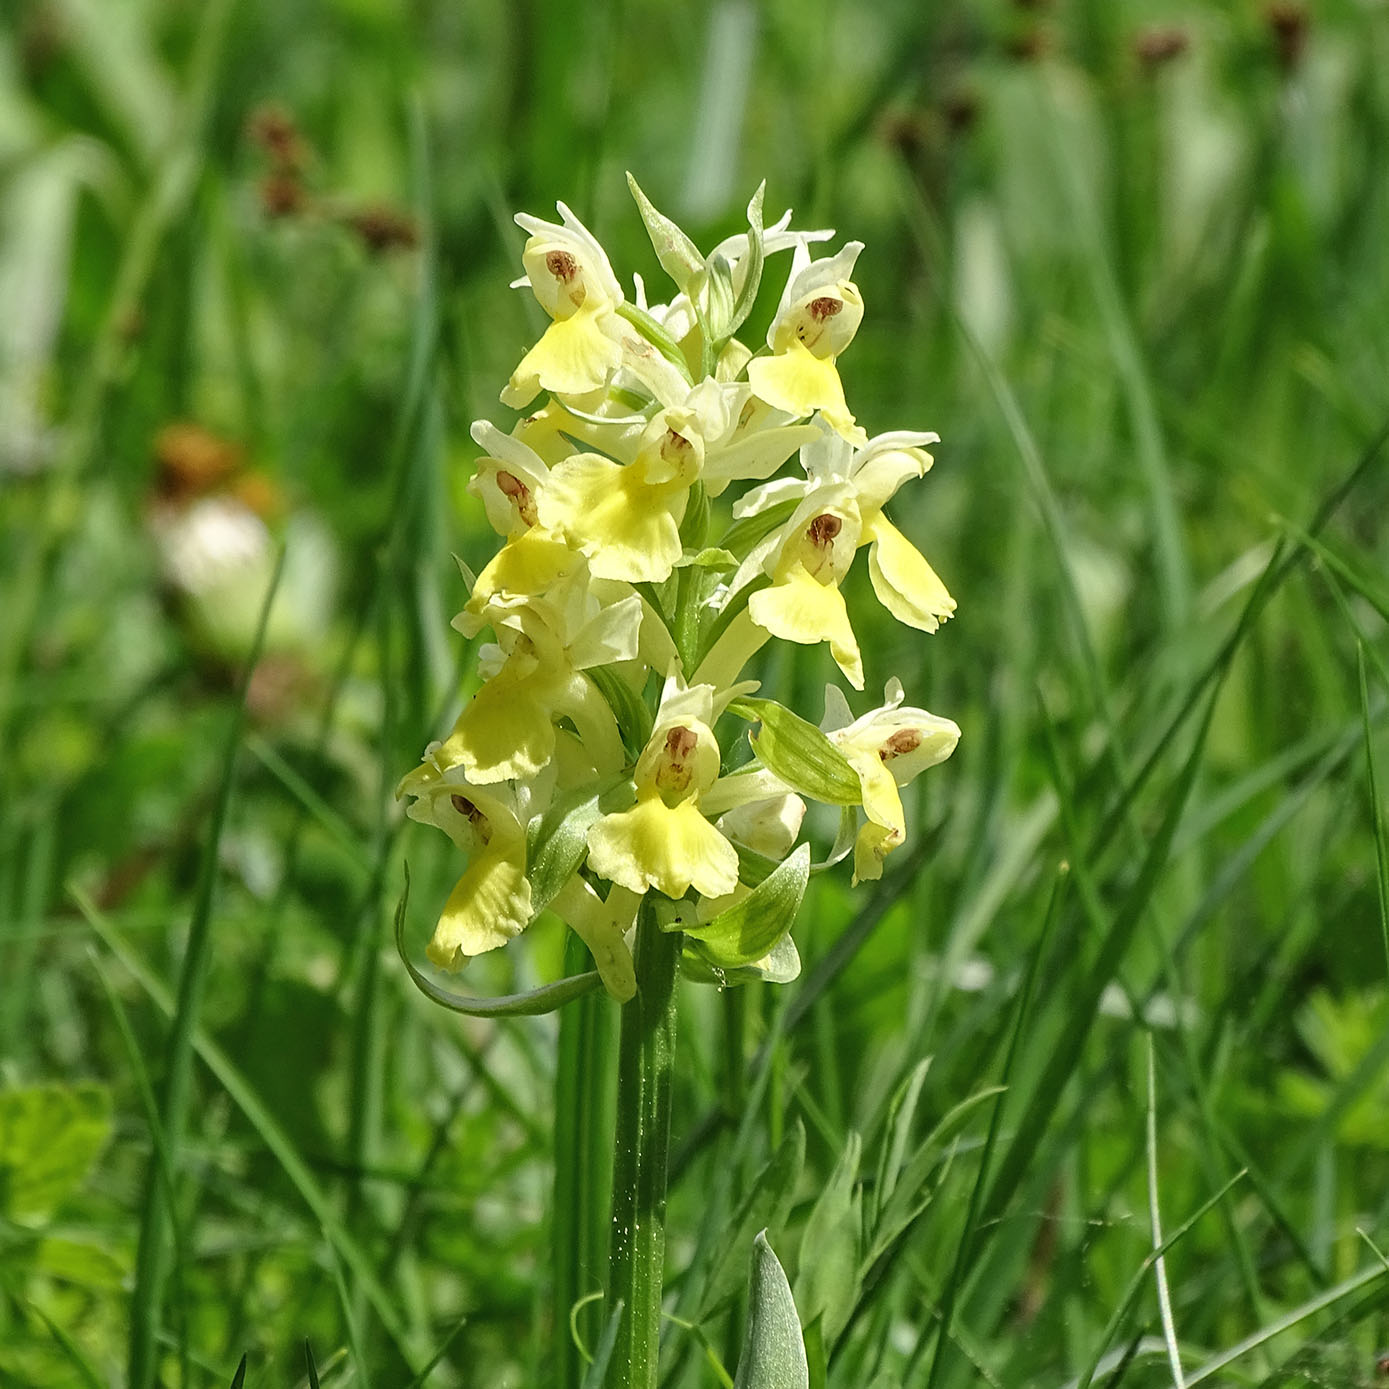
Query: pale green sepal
[[633, 717], [799, 753], [533, 1002], [657, 337], [679, 256], [773, 1354], [556, 843], [745, 932]]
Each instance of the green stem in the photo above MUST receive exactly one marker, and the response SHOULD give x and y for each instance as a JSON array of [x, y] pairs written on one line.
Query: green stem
[[645, 1072]]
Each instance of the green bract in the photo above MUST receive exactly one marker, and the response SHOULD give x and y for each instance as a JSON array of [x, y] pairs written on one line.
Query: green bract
[[629, 595]]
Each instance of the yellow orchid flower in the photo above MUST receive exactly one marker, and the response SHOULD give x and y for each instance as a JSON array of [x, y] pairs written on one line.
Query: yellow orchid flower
[[534, 675], [626, 517], [665, 841], [491, 902], [819, 313], [888, 748], [569, 273], [807, 560]]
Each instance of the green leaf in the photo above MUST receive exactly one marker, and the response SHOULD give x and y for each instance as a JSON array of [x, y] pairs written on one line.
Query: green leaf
[[901, 1113], [657, 337], [765, 1207], [781, 965], [532, 1003], [597, 1375], [827, 1280], [910, 1196], [557, 841], [679, 256], [773, 1355], [694, 525], [50, 1135], [717, 296], [239, 1378], [799, 753], [752, 277], [746, 531], [746, 931], [632, 715]]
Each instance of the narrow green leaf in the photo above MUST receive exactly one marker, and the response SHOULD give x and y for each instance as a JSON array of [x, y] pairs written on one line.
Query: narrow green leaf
[[752, 275], [911, 1196], [532, 1003], [799, 753], [773, 1355], [827, 1279], [597, 1375], [277, 1142], [239, 1378], [747, 930], [679, 256], [765, 1207], [901, 1112], [656, 336], [694, 525]]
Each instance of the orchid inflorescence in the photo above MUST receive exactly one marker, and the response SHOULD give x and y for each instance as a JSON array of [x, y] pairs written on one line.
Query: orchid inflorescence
[[586, 773]]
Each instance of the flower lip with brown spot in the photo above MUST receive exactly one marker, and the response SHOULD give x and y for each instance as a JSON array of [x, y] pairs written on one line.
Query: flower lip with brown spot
[[902, 742], [561, 265], [473, 815], [822, 531], [676, 773], [826, 306], [512, 487]]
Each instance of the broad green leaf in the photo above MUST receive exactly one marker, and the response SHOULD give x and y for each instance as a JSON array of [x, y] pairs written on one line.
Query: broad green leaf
[[827, 1278], [721, 560], [773, 1355], [50, 1135], [679, 256], [765, 1207], [556, 843], [799, 753], [746, 931], [781, 965]]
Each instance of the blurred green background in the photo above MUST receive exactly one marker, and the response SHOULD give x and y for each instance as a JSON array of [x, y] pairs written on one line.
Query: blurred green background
[[1128, 257]]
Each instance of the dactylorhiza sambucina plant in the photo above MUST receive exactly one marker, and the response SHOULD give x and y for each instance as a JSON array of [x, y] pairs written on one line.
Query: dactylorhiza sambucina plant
[[586, 777]]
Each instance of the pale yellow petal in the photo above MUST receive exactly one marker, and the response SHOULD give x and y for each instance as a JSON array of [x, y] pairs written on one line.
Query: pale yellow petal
[[505, 731], [489, 905], [573, 356], [670, 848], [905, 584], [797, 608], [798, 382], [625, 527], [873, 845], [602, 926]]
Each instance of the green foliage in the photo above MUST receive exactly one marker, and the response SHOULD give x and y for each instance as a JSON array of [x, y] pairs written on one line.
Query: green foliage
[[1145, 301]]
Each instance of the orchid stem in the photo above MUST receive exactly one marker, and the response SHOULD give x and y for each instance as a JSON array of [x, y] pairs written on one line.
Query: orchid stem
[[645, 1074]]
